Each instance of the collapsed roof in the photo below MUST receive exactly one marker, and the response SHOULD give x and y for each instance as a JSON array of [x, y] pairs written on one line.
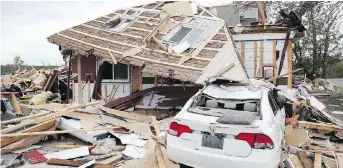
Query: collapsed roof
[[167, 39]]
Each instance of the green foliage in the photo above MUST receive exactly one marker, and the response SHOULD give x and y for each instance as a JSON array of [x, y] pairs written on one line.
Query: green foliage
[[319, 51], [336, 70]]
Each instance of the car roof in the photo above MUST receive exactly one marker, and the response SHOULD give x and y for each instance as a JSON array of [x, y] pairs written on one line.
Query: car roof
[[234, 92]]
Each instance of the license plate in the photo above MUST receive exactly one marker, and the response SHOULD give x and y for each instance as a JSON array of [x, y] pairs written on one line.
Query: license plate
[[212, 142]]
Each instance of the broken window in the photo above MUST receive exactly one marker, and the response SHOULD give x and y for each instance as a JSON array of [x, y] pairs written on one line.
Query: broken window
[[120, 22], [183, 34], [115, 72]]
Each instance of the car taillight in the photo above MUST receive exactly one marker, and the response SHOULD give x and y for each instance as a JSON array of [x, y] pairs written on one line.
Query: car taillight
[[256, 141], [178, 129]]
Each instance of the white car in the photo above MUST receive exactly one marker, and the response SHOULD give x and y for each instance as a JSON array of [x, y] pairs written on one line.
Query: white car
[[225, 125]]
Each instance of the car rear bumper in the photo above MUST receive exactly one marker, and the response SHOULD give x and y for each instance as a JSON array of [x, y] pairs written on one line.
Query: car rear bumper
[[200, 159]]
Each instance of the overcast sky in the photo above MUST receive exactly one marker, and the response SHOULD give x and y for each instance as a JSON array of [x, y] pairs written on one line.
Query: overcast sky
[[26, 25]]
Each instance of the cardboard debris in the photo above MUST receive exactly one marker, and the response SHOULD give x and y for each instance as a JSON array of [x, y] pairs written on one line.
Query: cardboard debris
[[295, 137]]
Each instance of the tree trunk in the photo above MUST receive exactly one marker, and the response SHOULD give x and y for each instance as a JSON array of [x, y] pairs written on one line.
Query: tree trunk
[[314, 42]]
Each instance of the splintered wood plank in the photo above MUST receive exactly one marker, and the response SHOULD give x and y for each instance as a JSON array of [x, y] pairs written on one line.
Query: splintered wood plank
[[37, 128], [305, 161], [79, 82], [243, 53], [16, 104], [261, 58], [112, 160], [65, 162], [317, 160], [320, 126]]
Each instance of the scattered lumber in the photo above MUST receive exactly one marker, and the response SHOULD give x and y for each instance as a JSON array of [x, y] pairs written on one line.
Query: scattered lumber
[[305, 161], [45, 118], [112, 160], [65, 162], [90, 147], [40, 127], [320, 126], [60, 132], [317, 160]]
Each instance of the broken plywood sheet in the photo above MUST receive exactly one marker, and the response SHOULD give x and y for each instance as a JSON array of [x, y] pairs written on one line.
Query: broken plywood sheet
[[178, 8], [28, 141], [72, 124], [133, 116], [169, 26], [49, 106], [134, 152], [295, 137], [296, 161], [132, 139], [86, 120], [225, 57], [330, 163], [69, 153]]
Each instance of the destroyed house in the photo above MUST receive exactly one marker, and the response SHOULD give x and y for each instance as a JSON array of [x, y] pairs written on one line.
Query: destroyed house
[[171, 43]]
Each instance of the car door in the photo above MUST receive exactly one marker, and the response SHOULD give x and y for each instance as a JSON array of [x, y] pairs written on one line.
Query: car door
[[278, 119]]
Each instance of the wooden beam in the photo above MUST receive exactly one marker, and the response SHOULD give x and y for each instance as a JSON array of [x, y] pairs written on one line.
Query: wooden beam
[[61, 132], [274, 61], [208, 12], [65, 162], [305, 161], [24, 118], [290, 67], [158, 28], [139, 29], [105, 92], [255, 58], [261, 57], [158, 42], [113, 59], [124, 34], [40, 127], [137, 57], [297, 70], [243, 53], [121, 43], [73, 82], [317, 160], [79, 82], [16, 104], [227, 68], [320, 126], [90, 147], [45, 118], [112, 160]]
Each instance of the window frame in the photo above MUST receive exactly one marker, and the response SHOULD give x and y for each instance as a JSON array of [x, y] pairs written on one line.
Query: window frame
[[128, 80], [172, 33]]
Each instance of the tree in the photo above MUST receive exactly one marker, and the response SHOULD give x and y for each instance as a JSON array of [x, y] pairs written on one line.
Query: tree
[[17, 63], [322, 41]]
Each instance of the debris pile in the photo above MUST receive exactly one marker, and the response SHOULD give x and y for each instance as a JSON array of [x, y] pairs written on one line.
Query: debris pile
[[312, 136], [80, 135], [33, 87]]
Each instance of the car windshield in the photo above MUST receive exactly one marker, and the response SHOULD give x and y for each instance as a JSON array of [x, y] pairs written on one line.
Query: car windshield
[[207, 105]]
